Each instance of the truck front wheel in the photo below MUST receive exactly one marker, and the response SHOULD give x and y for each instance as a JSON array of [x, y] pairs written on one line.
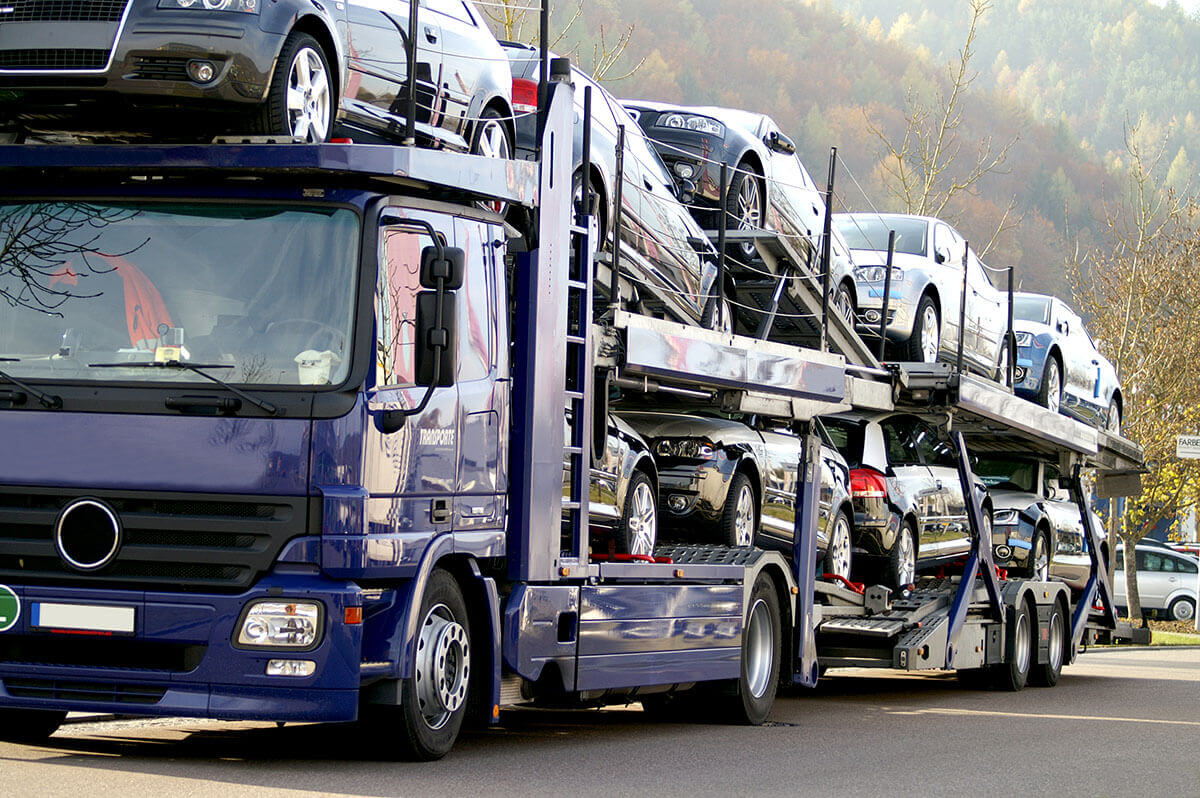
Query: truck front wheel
[[434, 698]]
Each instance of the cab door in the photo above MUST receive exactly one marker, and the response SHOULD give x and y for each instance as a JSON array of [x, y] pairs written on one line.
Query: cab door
[[377, 86]]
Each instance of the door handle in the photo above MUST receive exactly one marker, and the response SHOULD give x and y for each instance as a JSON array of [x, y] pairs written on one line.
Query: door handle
[[431, 35], [939, 484]]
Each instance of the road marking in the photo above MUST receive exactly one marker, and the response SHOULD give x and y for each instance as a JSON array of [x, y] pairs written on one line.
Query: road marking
[[1041, 716]]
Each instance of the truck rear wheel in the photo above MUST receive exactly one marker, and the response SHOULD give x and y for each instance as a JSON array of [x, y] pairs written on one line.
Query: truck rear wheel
[[1013, 673], [762, 637], [29, 725], [434, 698], [1045, 674]]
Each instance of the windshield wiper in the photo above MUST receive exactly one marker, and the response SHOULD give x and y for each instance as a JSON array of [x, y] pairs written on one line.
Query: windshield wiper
[[48, 401], [197, 368]]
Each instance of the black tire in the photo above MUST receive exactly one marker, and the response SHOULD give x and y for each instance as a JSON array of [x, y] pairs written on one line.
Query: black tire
[[839, 560], [762, 656], [1013, 674], [29, 725], [428, 728], [744, 185], [726, 317], [843, 303], [735, 523], [1045, 674], [901, 565], [1047, 396], [491, 139], [275, 117], [1182, 609], [599, 208], [1041, 538], [640, 511], [915, 347]]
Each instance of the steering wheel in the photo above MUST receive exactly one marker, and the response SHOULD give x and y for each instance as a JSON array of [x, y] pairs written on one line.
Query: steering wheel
[[336, 336]]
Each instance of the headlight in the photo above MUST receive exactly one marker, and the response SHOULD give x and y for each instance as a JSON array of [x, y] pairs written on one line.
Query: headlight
[[700, 124], [876, 274], [280, 624], [1024, 338], [245, 6], [685, 170], [687, 448], [1004, 517]]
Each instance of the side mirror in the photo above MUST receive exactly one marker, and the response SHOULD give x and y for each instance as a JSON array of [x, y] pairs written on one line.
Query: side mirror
[[941, 253], [449, 268], [778, 142]]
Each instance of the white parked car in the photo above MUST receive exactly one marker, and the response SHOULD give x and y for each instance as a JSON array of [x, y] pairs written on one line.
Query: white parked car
[[1166, 581]]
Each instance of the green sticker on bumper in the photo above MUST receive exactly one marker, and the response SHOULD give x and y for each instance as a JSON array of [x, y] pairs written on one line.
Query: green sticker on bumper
[[10, 608]]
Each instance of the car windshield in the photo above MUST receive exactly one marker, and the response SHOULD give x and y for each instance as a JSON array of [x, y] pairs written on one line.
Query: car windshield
[[1032, 308], [1007, 474], [871, 232], [265, 293]]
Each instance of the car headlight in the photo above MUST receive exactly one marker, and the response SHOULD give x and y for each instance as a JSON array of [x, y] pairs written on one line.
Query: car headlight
[[281, 624], [1004, 517], [686, 448], [244, 6], [876, 274], [699, 124], [1024, 338]]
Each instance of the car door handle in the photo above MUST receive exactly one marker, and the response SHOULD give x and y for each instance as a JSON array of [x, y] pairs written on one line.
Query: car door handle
[[431, 35], [939, 484]]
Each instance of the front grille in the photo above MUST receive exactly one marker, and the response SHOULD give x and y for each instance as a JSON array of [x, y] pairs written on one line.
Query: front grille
[[53, 59], [160, 68], [170, 542], [100, 692], [63, 10], [107, 652]]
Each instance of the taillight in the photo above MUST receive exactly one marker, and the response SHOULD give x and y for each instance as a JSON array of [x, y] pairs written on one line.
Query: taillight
[[524, 95], [867, 483]]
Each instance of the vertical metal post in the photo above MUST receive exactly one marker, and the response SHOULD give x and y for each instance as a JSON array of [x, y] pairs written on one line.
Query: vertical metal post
[[410, 122], [614, 289], [585, 166], [1098, 576], [804, 561], [713, 307], [887, 293], [543, 70], [962, 309], [827, 251], [1011, 337]]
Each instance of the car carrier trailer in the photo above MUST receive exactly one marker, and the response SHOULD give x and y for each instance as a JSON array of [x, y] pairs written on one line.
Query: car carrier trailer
[[405, 553]]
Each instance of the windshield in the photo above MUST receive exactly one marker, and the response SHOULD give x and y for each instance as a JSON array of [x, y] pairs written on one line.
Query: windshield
[[265, 291], [1032, 308], [871, 232], [1007, 474]]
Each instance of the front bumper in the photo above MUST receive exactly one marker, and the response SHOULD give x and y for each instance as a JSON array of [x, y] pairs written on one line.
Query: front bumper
[[692, 492], [1011, 544], [870, 306], [181, 659]]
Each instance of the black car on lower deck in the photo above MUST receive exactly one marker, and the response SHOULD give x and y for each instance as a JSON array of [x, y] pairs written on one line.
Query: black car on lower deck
[[189, 69]]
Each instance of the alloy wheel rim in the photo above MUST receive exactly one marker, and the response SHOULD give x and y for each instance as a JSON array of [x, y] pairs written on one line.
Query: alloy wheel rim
[[839, 547], [308, 97], [929, 335], [1053, 387], [1113, 422], [743, 524], [845, 306], [908, 566], [760, 649], [643, 521], [1056, 641], [1041, 560], [1184, 611], [1004, 367], [1021, 643], [443, 666], [493, 143], [749, 210]]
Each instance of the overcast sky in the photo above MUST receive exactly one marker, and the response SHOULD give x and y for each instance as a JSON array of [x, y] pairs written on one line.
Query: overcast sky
[[1189, 6]]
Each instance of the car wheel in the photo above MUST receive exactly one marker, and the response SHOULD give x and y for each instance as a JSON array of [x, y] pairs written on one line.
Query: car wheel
[[843, 302], [434, 699], [300, 100], [725, 319], [762, 657], [745, 208], [1039, 557], [1112, 420], [739, 517], [1050, 392], [600, 210], [1182, 609], [902, 559], [639, 521], [491, 141], [1002, 366], [1014, 673], [1046, 674], [29, 725], [837, 556], [926, 339]]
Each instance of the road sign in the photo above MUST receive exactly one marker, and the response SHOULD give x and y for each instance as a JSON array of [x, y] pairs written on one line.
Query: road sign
[[1187, 447], [10, 608]]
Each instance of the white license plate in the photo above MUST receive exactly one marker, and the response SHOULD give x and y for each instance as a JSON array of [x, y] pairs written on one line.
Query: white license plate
[[82, 617]]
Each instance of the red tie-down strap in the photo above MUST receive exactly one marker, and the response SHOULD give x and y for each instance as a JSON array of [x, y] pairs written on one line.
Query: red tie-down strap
[[857, 587]]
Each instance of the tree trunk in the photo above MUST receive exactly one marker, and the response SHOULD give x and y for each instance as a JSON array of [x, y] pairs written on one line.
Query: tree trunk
[[1133, 599]]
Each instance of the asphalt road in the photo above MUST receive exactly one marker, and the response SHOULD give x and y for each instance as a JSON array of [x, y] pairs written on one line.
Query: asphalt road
[[1121, 722]]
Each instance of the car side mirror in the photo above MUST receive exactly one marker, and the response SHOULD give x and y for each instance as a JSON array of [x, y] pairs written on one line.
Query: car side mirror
[[941, 253], [778, 142]]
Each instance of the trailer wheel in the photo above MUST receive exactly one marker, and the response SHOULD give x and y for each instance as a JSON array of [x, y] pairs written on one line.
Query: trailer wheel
[[1014, 672], [1045, 674], [434, 699], [29, 725], [761, 658]]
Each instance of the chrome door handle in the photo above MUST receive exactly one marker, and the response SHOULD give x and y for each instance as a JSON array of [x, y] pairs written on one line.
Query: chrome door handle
[[431, 35]]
